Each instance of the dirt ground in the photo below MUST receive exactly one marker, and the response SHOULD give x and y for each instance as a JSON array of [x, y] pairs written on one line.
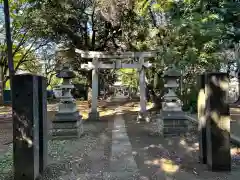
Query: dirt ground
[[156, 157], [105, 109]]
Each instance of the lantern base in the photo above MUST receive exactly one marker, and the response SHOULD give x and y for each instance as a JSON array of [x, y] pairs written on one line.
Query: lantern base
[[172, 123]]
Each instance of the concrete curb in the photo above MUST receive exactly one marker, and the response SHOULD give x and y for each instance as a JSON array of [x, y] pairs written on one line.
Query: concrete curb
[[234, 139]]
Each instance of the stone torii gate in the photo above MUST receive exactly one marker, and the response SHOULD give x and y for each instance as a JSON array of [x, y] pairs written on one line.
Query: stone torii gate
[[96, 64]]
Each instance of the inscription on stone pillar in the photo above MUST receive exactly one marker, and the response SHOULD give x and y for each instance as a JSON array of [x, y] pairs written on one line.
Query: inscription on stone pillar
[[25, 106]]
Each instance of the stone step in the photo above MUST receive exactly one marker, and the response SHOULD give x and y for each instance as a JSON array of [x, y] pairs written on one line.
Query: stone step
[[67, 125], [66, 133]]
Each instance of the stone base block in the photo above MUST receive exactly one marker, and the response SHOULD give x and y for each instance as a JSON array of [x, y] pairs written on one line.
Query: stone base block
[[66, 133], [93, 116], [171, 127], [172, 131], [66, 125], [173, 115]]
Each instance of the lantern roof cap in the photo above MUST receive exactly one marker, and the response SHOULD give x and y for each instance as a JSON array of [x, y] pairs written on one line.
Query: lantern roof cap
[[66, 73], [172, 72]]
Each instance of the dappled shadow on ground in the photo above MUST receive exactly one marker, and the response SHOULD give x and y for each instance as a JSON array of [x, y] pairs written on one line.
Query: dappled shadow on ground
[[156, 157], [5, 109], [105, 108], [173, 157], [90, 154]]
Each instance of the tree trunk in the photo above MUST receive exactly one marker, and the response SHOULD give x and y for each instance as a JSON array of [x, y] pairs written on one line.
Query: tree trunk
[[238, 100], [1, 86]]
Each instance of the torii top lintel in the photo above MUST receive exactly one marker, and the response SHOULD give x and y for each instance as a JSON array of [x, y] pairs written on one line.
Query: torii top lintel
[[123, 55]]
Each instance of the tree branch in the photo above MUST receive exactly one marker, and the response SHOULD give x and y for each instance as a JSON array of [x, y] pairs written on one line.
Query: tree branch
[[22, 41], [93, 28]]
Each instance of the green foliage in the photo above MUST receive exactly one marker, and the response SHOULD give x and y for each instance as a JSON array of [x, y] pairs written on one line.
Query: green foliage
[[191, 35], [54, 81], [25, 42], [189, 99], [129, 77]]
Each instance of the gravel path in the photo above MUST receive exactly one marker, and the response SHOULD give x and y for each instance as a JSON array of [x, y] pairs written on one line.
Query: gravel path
[[118, 148]]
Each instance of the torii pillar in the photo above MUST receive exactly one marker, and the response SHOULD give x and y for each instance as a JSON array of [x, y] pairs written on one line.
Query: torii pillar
[[142, 85], [94, 114], [95, 65]]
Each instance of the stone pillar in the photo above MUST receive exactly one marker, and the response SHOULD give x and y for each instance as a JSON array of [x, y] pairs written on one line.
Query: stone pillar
[[142, 85], [217, 122], [25, 105], [202, 119], [43, 123], [94, 114]]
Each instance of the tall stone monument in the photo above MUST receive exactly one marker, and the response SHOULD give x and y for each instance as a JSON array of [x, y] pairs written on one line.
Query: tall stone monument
[[171, 120], [29, 104], [202, 119], [217, 122], [67, 122]]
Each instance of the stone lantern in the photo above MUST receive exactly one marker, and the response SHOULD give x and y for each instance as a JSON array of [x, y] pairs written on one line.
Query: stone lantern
[[67, 122], [170, 100], [171, 120]]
